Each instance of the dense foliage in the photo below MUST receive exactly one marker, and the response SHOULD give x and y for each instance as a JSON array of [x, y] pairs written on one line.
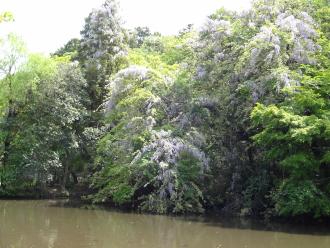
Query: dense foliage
[[232, 117]]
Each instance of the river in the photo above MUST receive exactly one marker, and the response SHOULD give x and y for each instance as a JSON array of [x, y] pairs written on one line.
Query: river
[[47, 224]]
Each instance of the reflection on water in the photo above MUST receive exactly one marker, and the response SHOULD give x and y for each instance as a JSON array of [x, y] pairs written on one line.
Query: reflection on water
[[39, 224]]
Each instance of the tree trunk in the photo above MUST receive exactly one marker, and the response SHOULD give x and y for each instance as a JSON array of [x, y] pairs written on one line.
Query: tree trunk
[[6, 151], [11, 114], [74, 176], [65, 176]]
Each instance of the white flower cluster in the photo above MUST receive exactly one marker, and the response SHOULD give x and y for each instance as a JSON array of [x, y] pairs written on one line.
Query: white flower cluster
[[303, 33], [166, 151], [283, 78], [137, 72], [212, 35], [102, 35], [122, 82], [201, 72], [302, 27], [267, 47], [219, 57], [216, 28]]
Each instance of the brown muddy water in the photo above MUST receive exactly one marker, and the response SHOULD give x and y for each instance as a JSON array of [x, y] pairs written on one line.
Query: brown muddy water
[[48, 224]]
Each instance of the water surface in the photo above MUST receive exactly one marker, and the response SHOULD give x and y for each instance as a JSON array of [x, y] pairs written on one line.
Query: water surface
[[45, 224]]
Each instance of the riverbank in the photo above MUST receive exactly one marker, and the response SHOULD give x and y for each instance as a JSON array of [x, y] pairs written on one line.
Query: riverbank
[[78, 199], [77, 195]]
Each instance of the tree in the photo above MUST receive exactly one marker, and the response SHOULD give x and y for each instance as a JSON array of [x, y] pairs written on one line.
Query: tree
[[295, 136], [150, 173], [12, 53], [137, 36], [143, 160], [46, 141], [71, 48], [102, 48]]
